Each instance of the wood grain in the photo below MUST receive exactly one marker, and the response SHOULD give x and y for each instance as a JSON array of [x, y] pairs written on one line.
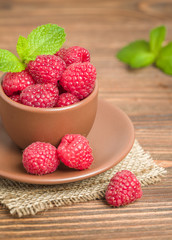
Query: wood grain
[[145, 95]]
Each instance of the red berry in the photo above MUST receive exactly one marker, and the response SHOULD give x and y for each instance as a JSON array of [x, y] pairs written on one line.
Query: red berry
[[123, 189], [40, 95], [74, 54], [61, 52], [74, 151], [16, 82], [40, 158], [15, 97], [66, 99], [47, 69], [79, 79]]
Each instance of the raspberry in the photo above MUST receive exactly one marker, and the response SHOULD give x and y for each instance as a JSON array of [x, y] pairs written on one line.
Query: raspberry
[[61, 52], [74, 54], [123, 189], [74, 151], [47, 69], [40, 158], [79, 79], [15, 97], [40, 95], [16, 82], [66, 99]]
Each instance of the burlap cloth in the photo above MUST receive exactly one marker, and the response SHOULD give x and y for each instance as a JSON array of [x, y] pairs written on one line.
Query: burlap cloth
[[25, 199]]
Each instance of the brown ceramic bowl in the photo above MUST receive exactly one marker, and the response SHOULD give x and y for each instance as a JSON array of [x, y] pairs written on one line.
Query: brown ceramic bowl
[[25, 124]]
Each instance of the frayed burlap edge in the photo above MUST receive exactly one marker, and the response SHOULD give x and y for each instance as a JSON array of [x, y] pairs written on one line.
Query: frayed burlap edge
[[27, 199]]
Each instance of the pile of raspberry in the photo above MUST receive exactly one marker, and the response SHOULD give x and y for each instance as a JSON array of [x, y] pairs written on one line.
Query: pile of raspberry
[[74, 151], [50, 81]]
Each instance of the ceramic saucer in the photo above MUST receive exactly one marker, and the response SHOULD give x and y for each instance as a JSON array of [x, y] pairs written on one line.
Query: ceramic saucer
[[111, 138]]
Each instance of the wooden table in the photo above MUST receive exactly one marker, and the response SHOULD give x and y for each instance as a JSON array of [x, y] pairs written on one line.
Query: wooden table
[[145, 95]]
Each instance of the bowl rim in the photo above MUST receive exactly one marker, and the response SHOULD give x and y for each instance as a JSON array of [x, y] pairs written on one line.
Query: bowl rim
[[42, 110]]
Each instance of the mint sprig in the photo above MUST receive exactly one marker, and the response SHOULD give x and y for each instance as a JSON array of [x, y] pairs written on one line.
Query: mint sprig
[[142, 53], [9, 62], [136, 54], [44, 40], [164, 60], [157, 36], [22, 46]]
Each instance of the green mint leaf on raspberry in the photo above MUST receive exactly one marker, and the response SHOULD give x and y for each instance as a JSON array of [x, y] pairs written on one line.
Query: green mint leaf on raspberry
[[22, 46], [137, 54], [44, 40], [164, 59], [157, 36], [9, 62]]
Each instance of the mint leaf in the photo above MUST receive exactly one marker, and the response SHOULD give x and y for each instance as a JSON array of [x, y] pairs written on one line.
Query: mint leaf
[[137, 54], [157, 36], [164, 60], [9, 62], [45, 39], [22, 46]]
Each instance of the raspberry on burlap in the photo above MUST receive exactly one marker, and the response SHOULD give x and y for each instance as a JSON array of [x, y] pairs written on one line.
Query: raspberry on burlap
[[123, 189]]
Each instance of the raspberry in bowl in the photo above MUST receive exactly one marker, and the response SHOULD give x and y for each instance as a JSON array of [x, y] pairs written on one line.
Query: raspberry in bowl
[[49, 91], [27, 124]]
